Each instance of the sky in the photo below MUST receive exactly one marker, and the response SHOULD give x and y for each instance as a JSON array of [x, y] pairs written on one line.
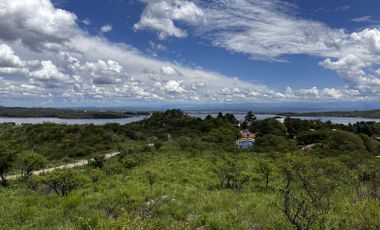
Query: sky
[[57, 53]]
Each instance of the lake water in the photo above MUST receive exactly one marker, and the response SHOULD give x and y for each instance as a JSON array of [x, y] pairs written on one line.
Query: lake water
[[123, 121]]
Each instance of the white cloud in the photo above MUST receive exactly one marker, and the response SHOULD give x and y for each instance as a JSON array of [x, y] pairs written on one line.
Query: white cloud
[[106, 28], [367, 18], [161, 16], [36, 23], [269, 30], [49, 57], [174, 87], [170, 71], [8, 57], [49, 71], [157, 46], [86, 21]]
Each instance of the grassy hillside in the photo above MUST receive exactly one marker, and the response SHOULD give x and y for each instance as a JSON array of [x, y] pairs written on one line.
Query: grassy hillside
[[178, 172], [184, 194]]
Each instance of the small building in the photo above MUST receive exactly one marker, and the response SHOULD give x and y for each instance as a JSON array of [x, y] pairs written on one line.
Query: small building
[[245, 142], [247, 134]]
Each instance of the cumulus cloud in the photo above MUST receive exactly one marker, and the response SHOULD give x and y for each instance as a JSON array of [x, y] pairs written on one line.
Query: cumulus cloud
[[170, 71], [49, 71], [174, 87], [38, 24], [46, 57], [162, 15], [106, 28], [269, 30], [8, 57]]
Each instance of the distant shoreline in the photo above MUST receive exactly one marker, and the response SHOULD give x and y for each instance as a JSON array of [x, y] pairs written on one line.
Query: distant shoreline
[[21, 112], [370, 114]]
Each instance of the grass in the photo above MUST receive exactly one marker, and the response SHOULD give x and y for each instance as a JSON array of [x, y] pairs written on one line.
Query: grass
[[184, 195]]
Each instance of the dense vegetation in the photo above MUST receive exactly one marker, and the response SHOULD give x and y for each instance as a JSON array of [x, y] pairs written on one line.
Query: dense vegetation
[[179, 172], [64, 113], [364, 113]]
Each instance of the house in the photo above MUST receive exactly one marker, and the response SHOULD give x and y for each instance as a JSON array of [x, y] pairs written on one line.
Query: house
[[245, 142], [247, 139], [246, 133]]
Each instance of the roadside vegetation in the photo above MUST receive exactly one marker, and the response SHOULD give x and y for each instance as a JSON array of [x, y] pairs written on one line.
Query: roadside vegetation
[[179, 172]]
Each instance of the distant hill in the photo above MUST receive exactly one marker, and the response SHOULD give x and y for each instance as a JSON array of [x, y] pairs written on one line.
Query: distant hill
[[364, 114], [65, 113]]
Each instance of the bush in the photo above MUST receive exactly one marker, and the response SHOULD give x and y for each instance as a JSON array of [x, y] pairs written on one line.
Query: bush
[[341, 142], [29, 161], [6, 162], [98, 161], [231, 173], [65, 181], [111, 168], [130, 161], [272, 143]]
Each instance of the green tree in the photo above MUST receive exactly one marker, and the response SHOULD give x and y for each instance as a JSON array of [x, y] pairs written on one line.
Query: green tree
[[368, 179], [6, 162], [226, 134], [309, 185], [29, 161], [265, 167], [64, 181], [231, 173], [151, 178], [98, 161], [340, 142], [272, 143], [249, 116], [268, 126]]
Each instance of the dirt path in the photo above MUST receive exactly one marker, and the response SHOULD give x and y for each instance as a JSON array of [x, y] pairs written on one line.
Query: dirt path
[[65, 166]]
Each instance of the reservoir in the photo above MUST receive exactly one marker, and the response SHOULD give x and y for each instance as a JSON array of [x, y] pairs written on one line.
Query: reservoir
[[123, 121]]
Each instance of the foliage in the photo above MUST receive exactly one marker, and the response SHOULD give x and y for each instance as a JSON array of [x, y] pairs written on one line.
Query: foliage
[[230, 173], [368, 180], [6, 162], [312, 136], [308, 188], [29, 161], [268, 126], [272, 143], [340, 142], [98, 161], [64, 181], [64, 113], [265, 167], [198, 179]]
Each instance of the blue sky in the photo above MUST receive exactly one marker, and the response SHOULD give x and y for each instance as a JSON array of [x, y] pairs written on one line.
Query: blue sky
[[121, 52]]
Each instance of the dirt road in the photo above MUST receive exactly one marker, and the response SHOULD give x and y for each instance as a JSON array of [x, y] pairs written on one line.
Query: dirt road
[[65, 166]]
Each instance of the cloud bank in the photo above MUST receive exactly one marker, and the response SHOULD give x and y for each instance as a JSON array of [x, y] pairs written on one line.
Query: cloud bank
[[269, 30], [46, 58]]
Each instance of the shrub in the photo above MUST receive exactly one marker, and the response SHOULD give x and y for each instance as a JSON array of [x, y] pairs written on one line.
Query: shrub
[[29, 161], [6, 162], [98, 161], [272, 143], [340, 142], [64, 181], [231, 173]]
